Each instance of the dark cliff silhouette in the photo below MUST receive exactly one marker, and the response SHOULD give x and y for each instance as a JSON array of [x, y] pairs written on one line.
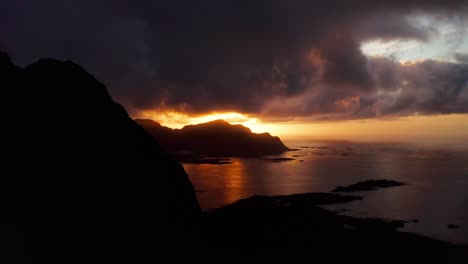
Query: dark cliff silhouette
[[215, 138], [82, 179]]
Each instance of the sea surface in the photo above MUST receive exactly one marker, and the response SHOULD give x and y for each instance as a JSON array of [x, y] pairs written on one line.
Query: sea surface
[[436, 193]]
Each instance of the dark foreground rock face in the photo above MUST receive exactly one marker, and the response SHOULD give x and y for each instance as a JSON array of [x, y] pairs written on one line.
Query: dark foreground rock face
[[82, 180], [215, 138], [369, 185], [293, 228]]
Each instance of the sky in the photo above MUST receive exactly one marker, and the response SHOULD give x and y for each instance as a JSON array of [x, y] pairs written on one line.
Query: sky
[[377, 70]]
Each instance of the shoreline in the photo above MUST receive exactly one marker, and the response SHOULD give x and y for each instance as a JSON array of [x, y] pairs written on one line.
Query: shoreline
[[298, 221]]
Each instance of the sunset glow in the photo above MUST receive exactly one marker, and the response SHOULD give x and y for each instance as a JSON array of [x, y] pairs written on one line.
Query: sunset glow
[[434, 129], [179, 120]]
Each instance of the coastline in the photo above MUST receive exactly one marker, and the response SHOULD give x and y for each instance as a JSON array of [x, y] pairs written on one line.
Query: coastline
[[298, 221]]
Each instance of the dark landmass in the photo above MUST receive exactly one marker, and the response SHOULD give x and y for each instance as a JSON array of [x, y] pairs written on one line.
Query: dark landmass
[[82, 180], [201, 160], [216, 138], [278, 159], [296, 156], [296, 227], [369, 185], [304, 199]]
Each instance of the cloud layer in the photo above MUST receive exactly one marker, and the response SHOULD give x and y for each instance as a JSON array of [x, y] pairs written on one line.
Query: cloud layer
[[277, 59]]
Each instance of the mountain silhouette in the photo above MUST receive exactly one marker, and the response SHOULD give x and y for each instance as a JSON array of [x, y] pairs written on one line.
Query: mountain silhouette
[[215, 138], [82, 180]]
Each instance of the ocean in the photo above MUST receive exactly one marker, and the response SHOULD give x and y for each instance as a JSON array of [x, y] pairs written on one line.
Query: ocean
[[436, 193]]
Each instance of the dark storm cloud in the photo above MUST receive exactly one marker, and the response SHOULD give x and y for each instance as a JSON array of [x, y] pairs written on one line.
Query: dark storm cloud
[[425, 87], [283, 58]]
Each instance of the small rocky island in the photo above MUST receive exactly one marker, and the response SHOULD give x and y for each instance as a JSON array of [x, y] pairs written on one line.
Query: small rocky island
[[369, 185]]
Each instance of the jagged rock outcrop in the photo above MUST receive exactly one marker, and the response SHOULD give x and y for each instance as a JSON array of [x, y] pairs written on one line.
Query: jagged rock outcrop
[[82, 180]]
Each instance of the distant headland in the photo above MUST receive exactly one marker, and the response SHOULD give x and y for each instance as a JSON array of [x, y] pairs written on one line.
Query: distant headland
[[216, 138]]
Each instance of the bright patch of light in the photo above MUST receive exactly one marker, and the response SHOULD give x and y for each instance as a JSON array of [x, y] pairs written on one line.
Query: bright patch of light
[[387, 48], [179, 120], [445, 37]]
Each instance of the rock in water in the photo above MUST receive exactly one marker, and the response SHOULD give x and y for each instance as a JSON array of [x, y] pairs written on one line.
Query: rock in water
[[369, 185], [82, 178]]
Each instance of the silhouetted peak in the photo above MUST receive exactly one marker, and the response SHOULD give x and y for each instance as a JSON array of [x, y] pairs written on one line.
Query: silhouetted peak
[[214, 123], [148, 122], [84, 172], [60, 74], [215, 138], [5, 61], [217, 126], [218, 122]]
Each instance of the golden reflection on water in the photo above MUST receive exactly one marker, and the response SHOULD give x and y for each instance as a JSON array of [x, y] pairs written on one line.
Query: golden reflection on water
[[218, 185], [229, 179], [234, 181], [435, 194]]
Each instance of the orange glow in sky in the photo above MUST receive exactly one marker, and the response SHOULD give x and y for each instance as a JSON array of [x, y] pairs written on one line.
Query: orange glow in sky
[[178, 120], [421, 129]]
